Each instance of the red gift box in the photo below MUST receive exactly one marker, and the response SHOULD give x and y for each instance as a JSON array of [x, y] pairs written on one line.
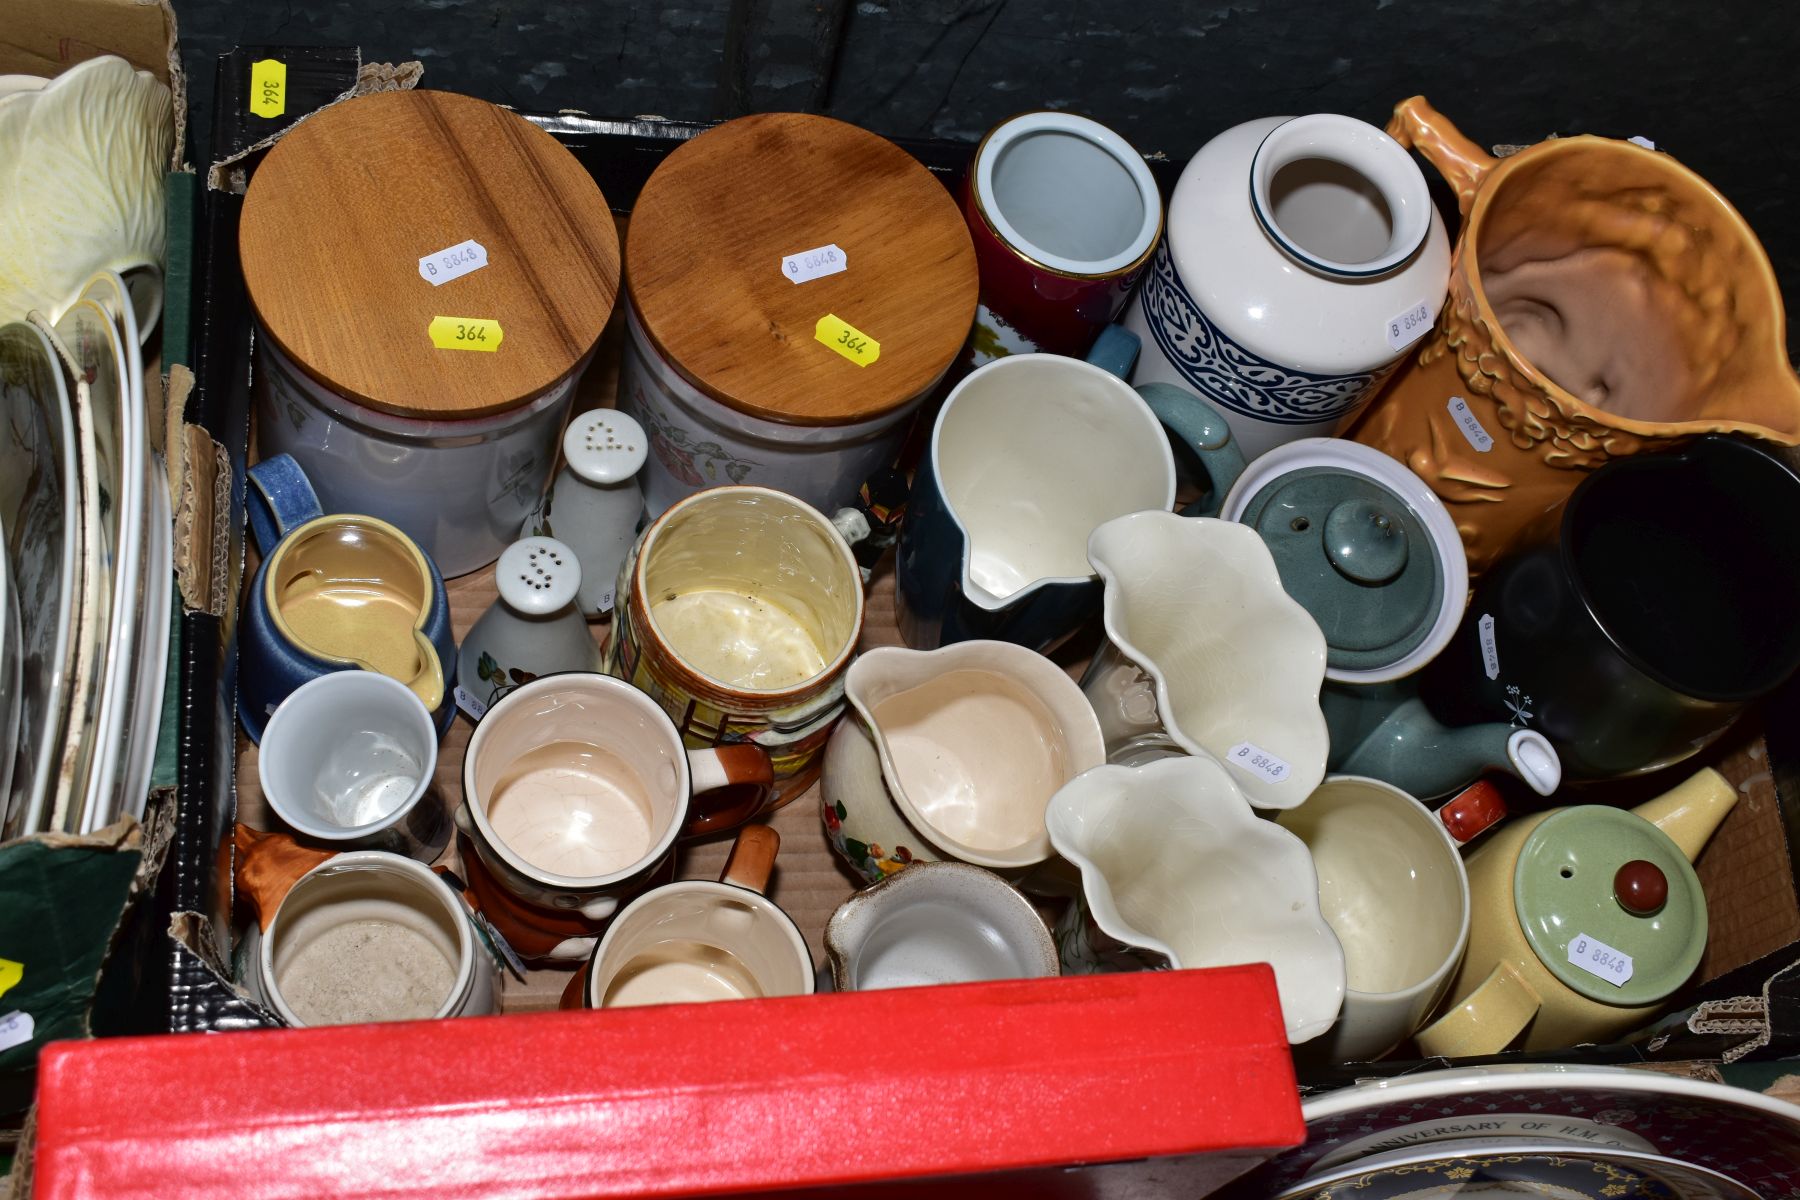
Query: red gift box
[[1166, 1083]]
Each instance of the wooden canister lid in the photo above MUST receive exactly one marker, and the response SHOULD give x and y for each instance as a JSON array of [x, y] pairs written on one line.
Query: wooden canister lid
[[704, 256], [346, 204]]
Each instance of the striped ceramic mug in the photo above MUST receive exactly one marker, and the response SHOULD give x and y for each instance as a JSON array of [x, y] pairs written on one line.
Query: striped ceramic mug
[[738, 611]]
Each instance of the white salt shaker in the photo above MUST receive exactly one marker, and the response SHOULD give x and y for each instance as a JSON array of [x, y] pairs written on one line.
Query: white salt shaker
[[594, 505], [532, 629]]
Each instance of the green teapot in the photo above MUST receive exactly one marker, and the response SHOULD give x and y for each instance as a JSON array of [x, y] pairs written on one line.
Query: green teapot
[[1370, 551]]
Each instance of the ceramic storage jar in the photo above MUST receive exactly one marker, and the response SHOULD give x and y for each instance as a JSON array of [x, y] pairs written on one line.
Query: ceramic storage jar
[[429, 273], [795, 287]]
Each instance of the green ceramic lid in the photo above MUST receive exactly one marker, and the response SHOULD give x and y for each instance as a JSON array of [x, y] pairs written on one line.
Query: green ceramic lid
[[1356, 557], [1579, 877]]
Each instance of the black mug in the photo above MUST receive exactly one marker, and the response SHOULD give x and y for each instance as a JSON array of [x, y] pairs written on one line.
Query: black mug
[[1641, 615]]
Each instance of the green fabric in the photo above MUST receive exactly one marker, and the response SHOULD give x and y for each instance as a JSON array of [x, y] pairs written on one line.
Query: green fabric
[[59, 906], [178, 281]]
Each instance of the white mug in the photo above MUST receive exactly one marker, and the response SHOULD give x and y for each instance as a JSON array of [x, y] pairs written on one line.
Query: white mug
[[697, 941], [1393, 888], [937, 922], [348, 758], [370, 936]]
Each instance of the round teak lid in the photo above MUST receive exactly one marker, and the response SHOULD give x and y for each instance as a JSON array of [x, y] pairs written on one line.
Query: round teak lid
[[356, 245], [708, 272]]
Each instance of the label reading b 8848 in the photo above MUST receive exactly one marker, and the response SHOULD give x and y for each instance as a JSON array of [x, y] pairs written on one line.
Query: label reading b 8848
[[1257, 761], [1597, 958]]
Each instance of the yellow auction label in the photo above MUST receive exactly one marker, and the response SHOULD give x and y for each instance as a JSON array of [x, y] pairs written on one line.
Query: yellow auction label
[[847, 340], [465, 333], [268, 88], [10, 974]]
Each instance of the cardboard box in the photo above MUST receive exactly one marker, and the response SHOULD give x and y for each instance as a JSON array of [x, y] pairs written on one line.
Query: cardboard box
[[1748, 871], [62, 899]]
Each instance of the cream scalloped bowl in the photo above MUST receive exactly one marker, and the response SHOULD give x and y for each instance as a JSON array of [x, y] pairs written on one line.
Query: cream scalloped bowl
[[1236, 662], [83, 160], [1174, 861]]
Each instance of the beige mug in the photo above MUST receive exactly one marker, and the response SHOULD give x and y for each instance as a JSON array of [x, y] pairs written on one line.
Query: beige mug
[[1393, 889], [697, 941]]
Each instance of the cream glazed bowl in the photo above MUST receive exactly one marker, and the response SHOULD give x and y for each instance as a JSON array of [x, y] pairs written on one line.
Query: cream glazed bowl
[[1205, 647], [1178, 871]]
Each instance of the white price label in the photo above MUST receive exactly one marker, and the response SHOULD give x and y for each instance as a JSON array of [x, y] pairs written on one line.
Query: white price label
[[1257, 761], [816, 263], [453, 263], [1409, 326], [467, 701], [1597, 958], [16, 1028], [1470, 425], [1490, 653]]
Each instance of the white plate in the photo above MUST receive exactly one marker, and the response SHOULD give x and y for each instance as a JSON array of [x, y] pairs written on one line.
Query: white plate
[[153, 645], [102, 358], [40, 508], [9, 673], [1601, 1112], [97, 469], [1518, 1167]]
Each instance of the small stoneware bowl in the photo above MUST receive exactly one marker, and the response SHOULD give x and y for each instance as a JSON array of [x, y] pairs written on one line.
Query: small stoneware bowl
[[937, 922]]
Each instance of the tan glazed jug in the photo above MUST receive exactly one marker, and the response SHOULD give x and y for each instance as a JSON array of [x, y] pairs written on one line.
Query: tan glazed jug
[[1604, 300]]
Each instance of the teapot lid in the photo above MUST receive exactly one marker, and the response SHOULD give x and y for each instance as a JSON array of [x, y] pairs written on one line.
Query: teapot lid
[[1365, 546], [1610, 905]]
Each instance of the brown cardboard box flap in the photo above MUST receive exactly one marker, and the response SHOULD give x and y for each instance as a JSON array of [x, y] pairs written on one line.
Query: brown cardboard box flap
[[228, 173], [47, 37]]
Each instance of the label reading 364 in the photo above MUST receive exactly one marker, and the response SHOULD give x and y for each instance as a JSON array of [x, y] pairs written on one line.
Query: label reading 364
[[465, 333], [847, 340], [268, 87]]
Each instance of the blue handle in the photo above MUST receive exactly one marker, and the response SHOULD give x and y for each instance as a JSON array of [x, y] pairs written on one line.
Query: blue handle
[[1202, 428], [279, 499], [1115, 351]]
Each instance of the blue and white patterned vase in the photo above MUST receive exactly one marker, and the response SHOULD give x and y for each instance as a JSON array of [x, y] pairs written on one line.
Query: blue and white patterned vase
[[1302, 259]]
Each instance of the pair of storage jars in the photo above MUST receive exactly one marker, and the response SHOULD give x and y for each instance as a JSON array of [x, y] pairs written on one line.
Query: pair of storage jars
[[430, 274]]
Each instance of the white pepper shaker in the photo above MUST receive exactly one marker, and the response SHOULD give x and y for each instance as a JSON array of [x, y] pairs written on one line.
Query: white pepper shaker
[[595, 505], [533, 628]]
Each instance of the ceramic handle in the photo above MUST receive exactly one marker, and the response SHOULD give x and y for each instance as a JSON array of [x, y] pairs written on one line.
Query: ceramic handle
[[1203, 429], [599, 909], [1418, 126], [752, 859], [1115, 351], [732, 784], [428, 684], [278, 499], [1487, 1020]]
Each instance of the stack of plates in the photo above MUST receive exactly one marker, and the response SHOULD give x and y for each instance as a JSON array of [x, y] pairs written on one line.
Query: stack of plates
[[1568, 1132], [87, 579]]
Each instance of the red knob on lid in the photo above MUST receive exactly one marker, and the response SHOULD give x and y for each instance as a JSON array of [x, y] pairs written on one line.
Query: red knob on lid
[[1641, 887]]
